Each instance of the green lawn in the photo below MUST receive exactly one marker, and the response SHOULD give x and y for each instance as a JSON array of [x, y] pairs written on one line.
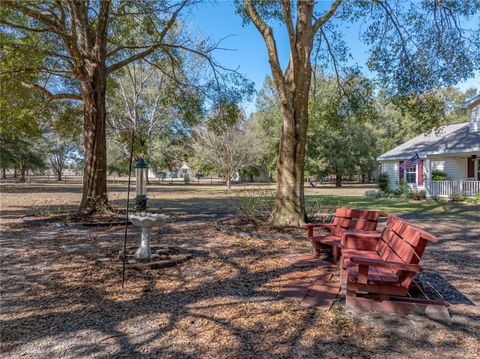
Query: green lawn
[[402, 207]]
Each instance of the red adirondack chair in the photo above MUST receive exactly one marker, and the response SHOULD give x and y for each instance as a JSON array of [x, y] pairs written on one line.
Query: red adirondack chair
[[379, 269], [344, 220]]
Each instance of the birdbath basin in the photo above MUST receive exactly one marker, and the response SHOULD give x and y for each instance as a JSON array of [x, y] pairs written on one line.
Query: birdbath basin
[[146, 221]]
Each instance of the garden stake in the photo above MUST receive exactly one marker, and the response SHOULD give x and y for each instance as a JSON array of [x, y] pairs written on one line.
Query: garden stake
[[126, 214]]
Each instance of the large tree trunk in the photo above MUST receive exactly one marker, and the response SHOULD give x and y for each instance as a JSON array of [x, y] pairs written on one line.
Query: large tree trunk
[[289, 199], [94, 197]]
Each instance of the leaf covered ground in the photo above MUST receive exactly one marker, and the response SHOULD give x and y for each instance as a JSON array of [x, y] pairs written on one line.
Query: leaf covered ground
[[57, 301]]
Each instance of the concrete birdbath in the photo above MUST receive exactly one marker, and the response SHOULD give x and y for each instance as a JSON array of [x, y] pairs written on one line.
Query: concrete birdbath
[[146, 221]]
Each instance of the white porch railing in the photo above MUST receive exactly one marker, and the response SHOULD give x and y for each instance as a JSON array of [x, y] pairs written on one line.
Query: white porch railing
[[446, 188]]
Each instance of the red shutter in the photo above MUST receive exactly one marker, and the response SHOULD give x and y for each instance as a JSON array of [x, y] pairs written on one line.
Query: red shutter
[[420, 173], [401, 170], [470, 168]]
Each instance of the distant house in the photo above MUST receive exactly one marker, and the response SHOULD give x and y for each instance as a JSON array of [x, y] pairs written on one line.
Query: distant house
[[452, 149]]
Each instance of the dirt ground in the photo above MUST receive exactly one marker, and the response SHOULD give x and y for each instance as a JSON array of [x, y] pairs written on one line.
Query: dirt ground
[[58, 301]]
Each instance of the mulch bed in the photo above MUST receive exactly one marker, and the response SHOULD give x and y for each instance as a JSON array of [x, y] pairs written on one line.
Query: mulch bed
[[225, 302]]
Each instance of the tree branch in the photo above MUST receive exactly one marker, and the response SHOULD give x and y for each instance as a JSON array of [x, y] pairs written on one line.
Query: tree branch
[[149, 51], [287, 13], [50, 95], [320, 22], [267, 34]]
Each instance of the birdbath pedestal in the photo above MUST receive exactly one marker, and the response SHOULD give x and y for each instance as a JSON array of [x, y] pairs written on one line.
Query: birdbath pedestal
[[146, 221]]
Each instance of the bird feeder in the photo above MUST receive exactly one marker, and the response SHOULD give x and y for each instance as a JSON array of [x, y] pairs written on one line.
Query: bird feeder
[[141, 170]]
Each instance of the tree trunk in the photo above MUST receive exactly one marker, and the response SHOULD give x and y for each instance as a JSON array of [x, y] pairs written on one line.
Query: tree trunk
[[94, 196], [4, 173], [289, 199], [59, 175], [15, 172], [338, 181], [22, 174]]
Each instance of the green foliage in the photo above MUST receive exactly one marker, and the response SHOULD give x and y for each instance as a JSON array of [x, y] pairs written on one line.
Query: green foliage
[[439, 176], [24, 155], [383, 181], [339, 138], [474, 200], [458, 197]]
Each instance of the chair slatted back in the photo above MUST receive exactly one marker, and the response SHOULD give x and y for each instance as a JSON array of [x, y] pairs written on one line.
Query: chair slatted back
[[356, 220], [404, 243]]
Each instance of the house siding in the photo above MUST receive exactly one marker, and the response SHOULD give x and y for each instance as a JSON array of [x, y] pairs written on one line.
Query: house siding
[[454, 167], [391, 168]]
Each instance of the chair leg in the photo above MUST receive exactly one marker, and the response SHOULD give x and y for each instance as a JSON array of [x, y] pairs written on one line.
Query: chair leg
[[335, 254], [315, 249]]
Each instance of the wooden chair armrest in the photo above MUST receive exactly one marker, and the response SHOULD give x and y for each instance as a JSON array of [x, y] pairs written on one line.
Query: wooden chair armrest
[[316, 225], [310, 226], [381, 263], [360, 240]]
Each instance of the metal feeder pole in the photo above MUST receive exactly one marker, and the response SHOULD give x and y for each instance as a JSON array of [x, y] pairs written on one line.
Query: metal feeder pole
[[126, 214]]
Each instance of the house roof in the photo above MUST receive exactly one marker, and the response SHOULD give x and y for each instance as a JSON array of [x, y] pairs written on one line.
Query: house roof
[[448, 139], [472, 101]]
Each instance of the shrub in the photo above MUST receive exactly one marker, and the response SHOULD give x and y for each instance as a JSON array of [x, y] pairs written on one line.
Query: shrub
[[419, 195], [403, 191], [254, 204], [323, 209], [372, 194], [383, 181], [457, 197], [475, 199], [439, 176]]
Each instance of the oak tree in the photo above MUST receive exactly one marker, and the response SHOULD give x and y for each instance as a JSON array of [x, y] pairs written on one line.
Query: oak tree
[[414, 46]]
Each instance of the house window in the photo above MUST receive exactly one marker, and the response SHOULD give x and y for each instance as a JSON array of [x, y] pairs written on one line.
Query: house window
[[411, 175]]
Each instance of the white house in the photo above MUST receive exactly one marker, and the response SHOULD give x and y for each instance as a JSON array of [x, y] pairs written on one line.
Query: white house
[[452, 149]]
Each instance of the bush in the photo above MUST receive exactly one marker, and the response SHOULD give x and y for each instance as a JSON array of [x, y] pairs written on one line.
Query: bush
[[254, 204], [439, 176], [457, 197], [323, 209], [372, 194], [475, 199], [419, 195], [383, 181]]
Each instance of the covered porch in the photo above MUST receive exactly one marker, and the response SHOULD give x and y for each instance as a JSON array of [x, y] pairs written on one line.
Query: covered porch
[[462, 175]]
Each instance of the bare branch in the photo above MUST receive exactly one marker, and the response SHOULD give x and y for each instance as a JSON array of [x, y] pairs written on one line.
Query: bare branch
[[320, 22], [287, 13], [267, 34]]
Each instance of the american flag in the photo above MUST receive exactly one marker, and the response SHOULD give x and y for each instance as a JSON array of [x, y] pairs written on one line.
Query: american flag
[[412, 162]]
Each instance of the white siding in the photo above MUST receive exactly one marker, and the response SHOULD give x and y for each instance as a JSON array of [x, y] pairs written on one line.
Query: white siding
[[392, 170], [454, 167]]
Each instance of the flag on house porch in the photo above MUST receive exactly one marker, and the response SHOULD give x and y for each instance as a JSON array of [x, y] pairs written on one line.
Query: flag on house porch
[[412, 162]]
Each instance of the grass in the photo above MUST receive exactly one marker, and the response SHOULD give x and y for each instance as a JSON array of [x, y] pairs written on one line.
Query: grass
[[403, 207]]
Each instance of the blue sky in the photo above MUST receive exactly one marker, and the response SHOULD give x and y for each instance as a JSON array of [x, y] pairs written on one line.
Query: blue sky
[[218, 19]]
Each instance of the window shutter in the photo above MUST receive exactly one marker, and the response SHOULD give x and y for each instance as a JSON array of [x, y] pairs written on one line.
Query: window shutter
[[420, 173], [470, 167], [401, 175]]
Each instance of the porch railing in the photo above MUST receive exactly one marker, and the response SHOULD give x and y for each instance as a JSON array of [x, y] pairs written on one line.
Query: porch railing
[[446, 188]]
